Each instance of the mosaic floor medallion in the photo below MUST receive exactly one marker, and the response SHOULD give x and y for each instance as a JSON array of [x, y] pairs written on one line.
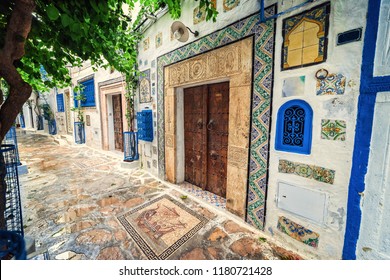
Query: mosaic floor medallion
[[161, 226]]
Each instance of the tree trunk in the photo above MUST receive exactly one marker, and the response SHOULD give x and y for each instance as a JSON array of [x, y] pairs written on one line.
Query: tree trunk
[[18, 28]]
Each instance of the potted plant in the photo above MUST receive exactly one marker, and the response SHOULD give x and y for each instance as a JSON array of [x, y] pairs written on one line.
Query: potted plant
[[49, 116], [130, 138], [79, 131]]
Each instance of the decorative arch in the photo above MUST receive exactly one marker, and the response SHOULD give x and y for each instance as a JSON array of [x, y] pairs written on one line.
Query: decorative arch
[[305, 37], [294, 127]]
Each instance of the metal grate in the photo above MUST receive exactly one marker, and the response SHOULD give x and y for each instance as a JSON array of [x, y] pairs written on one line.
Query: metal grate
[[79, 133], [130, 146], [13, 210], [10, 138]]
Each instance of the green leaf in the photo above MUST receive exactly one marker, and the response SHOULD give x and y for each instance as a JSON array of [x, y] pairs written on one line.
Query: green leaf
[[66, 20], [52, 12]]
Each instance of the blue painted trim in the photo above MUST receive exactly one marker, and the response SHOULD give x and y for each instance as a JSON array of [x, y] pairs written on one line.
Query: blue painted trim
[[369, 86], [307, 130], [263, 18]]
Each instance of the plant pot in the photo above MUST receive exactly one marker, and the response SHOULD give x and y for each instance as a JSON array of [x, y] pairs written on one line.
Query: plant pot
[[52, 127], [130, 146], [79, 132]]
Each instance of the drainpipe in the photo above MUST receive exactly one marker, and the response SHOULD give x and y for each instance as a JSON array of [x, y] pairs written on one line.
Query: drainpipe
[[264, 19]]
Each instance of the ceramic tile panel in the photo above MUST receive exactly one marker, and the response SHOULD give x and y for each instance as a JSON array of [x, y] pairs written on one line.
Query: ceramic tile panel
[[298, 232], [146, 44], [144, 87], [199, 14], [305, 37], [229, 5], [333, 129], [332, 84], [159, 40], [317, 173], [262, 80], [204, 195], [294, 86]]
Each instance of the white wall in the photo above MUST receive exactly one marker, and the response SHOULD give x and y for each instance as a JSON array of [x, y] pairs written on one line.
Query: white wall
[[336, 155], [93, 133]]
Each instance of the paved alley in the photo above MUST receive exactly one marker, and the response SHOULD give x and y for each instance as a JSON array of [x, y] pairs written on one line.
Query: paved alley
[[73, 198]]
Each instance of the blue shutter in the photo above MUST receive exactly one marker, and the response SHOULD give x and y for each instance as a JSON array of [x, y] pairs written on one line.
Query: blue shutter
[[89, 93], [60, 103], [145, 125]]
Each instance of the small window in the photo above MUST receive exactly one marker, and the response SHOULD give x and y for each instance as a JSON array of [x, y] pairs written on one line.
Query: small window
[[294, 127], [88, 89], [60, 103]]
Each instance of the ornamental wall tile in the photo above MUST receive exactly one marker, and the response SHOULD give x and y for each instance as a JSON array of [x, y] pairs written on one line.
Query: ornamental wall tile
[[199, 14], [229, 5], [294, 86], [159, 40], [144, 87], [314, 172], [298, 232], [333, 129], [146, 44], [332, 84], [305, 37]]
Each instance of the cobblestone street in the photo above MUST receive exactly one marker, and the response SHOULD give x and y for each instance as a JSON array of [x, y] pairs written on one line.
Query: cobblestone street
[[73, 195]]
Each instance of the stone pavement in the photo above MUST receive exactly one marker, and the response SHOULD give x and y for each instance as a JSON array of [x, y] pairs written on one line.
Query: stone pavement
[[73, 194]]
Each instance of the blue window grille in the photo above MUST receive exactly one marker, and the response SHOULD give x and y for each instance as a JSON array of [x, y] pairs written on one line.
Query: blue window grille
[[145, 125], [294, 127], [79, 133], [88, 90], [130, 146], [60, 103]]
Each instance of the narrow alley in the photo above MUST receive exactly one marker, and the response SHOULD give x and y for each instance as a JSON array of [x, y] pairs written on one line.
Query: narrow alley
[[79, 203]]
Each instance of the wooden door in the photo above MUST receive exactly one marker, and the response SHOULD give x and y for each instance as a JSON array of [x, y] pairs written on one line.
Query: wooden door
[[118, 122], [217, 138], [195, 138], [206, 119]]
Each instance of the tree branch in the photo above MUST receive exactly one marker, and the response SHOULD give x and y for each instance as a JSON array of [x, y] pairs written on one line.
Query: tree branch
[[18, 29]]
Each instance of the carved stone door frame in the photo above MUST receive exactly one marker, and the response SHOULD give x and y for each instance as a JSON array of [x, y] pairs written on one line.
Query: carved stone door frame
[[231, 63], [106, 91]]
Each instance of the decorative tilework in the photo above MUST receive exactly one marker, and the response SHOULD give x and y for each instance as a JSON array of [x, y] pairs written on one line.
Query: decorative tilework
[[263, 74], [305, 37], [199, 14], [204, 195], [294, 86], [298, 232], [317, 173], [230, 4], [159, 40], [333, 129], [333, 84], [146, 44], [144, 87]]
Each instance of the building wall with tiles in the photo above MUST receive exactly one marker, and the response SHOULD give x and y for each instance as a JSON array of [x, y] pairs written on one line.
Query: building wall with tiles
[[158, 41], [319, 179]]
